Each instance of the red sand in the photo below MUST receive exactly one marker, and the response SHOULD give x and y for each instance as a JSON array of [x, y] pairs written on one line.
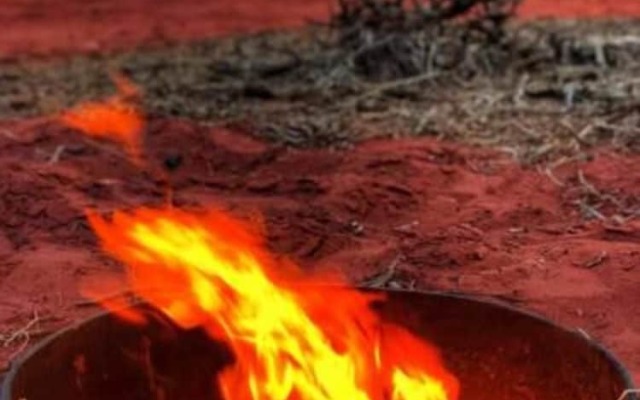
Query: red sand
[[460, 218], [46, 27]]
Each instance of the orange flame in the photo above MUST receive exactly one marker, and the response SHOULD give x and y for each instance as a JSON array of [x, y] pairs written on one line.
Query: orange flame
[[211, 271], [117, 118], [291, 341]]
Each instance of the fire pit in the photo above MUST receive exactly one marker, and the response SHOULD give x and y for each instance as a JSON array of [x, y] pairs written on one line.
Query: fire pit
[[496, 351]]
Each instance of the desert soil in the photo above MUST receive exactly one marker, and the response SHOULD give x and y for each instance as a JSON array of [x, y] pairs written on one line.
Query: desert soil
[[451, 216]]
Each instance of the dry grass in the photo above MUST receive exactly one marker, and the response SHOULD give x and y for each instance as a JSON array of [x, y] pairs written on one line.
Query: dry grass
[[543, 92]]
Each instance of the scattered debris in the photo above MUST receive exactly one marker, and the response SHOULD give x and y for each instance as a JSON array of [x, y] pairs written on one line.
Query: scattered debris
[[21, 338], [382, 279], [57, 153], [595, 261]]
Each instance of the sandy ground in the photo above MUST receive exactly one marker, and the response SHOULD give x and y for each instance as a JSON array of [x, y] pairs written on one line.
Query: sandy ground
[[458, 218]]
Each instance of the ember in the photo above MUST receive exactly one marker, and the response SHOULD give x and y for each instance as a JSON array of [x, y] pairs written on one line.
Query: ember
[[208, 270]]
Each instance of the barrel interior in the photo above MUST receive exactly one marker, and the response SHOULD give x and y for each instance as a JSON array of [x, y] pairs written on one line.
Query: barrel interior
[[498, 353]]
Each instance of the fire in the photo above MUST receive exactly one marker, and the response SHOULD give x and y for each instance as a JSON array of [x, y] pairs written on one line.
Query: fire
[[116, 118], [291, 341]]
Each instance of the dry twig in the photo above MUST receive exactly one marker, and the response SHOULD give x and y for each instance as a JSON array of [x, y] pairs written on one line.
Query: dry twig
[[383, 278], [22, 335]]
